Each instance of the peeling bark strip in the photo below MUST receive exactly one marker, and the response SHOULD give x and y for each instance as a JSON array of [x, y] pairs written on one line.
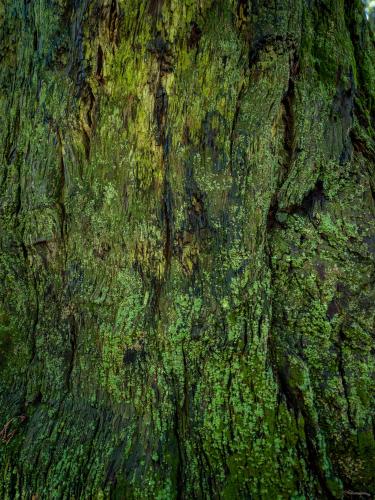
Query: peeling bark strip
[[187, 293]]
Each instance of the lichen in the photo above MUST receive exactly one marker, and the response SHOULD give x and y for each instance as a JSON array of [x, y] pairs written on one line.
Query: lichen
[[186, 250]]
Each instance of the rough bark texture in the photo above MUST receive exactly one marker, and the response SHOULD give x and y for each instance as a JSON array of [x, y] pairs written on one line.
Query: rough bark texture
[[187, 249]]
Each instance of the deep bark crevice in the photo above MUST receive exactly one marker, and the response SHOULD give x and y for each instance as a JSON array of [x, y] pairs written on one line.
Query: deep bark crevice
[[186, 223]]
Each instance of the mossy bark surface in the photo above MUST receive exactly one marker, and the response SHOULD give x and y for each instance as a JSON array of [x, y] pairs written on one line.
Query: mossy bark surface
[[187, 248]]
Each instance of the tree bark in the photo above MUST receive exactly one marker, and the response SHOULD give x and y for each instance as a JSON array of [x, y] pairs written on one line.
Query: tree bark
[[187, 249]]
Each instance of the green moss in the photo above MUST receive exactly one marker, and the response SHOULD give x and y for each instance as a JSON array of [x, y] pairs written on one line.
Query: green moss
[[186, 250]]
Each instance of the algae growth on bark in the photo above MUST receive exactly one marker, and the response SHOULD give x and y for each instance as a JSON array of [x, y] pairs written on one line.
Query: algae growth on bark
[[187, 248]]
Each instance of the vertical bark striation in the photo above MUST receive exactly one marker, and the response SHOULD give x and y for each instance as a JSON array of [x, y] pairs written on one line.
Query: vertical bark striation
[[187, 249]]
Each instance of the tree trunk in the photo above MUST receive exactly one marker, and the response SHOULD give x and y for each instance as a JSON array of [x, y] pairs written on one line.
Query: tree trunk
[[187, 249]]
